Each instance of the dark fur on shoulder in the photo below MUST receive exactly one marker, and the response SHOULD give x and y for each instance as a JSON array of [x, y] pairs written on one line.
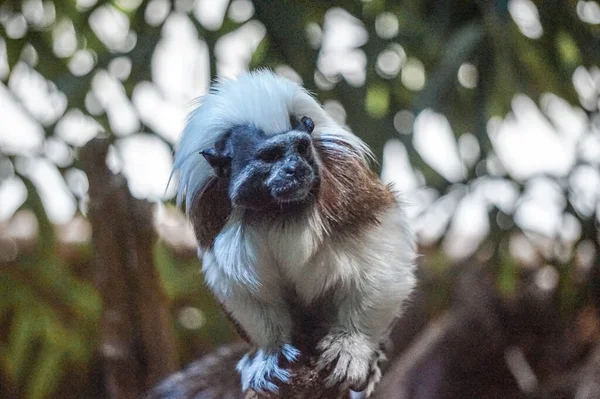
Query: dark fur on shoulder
[[209, 212]]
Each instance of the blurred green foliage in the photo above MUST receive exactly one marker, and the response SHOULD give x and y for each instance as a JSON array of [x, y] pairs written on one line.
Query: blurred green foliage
[[48, 312]]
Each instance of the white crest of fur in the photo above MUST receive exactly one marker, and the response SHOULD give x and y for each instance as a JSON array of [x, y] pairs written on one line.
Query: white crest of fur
[[258, 98]]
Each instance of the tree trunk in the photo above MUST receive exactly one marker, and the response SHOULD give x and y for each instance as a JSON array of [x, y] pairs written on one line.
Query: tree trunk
[[137, 344]]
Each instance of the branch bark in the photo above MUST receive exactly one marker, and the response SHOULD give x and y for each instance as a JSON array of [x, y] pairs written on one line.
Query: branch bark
[[214, 376]]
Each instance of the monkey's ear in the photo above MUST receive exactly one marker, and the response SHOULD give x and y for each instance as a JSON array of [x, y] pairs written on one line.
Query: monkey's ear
[[306, 125], [219, 161]]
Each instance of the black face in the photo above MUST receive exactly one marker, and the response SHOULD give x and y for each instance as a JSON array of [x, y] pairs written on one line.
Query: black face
[[267, 171]]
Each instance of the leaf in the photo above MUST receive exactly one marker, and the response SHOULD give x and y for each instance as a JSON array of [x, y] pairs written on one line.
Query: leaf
[[568, 50], [260, 54], [14, 48], [460, 49], [377, 101], [22, 334], [532, 59], [46, 374], [508, 277]]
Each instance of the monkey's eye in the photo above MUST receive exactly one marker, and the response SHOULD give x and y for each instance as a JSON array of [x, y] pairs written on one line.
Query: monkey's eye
[[308, 124], [270, 154], [302, 148]]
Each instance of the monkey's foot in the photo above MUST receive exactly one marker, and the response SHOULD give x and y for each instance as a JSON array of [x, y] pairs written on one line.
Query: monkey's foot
[[259, 369], [350, 358], [374, 373]]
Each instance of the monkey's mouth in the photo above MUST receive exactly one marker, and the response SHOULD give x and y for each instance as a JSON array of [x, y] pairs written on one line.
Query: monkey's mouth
[[292, 190]]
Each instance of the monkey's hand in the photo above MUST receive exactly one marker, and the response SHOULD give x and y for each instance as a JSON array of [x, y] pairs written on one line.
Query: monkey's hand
[[352, 359], [260, 368]]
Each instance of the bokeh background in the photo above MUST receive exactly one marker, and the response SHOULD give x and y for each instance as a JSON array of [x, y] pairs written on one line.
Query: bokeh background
[[483, 113]]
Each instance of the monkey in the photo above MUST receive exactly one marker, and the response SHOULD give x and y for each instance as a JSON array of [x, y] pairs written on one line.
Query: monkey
[[291, 221]]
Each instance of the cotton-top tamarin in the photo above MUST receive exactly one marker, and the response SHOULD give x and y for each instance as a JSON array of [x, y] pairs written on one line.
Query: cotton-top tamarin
[[294, 230]]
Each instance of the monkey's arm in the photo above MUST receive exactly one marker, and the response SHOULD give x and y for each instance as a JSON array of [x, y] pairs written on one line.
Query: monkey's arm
[[264, 320], [266, 324], [367, 307], [268, 327]]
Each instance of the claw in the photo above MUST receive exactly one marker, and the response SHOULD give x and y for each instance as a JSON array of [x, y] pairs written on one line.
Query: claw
[[290, 353], [259, 370], [348, 357]]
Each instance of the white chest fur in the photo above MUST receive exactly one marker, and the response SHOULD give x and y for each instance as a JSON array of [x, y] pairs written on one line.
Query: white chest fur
[[264, 260]]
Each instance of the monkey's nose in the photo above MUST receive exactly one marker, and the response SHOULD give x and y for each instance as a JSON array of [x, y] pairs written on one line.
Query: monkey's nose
[[290, 170]]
